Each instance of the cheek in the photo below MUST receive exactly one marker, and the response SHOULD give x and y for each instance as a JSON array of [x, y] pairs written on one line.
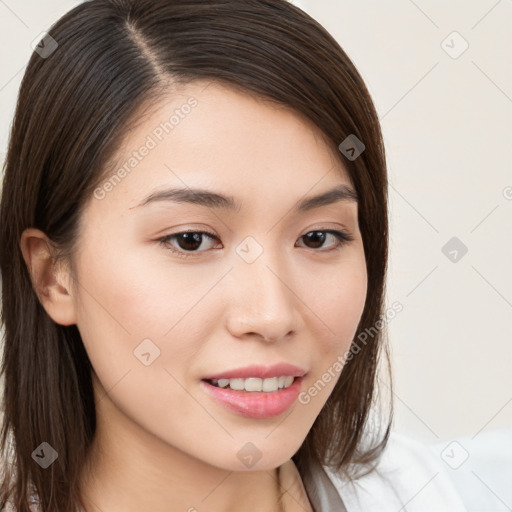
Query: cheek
[[132, 314], [127, 298], [337, 312], [338, 305], [136, 291]]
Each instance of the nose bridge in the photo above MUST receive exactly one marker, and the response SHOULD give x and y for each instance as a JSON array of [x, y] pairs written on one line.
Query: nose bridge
[[264, 301]]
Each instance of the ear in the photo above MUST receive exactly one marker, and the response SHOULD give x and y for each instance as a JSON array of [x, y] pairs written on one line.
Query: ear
[[50, 282]]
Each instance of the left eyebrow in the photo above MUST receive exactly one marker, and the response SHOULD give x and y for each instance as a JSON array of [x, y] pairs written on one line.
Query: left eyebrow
[[210, 199], [335, 195]]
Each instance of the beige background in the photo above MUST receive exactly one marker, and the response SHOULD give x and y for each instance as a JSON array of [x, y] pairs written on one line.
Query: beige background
[[447, 125]]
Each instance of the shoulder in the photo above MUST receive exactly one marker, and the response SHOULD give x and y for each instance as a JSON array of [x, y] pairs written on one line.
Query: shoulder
[[408, 476]]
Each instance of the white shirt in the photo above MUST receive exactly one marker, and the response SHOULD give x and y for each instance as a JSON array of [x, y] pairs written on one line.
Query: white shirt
[[407, 478]]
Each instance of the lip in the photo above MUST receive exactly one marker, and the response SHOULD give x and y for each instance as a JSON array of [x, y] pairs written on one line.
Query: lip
[[259, 371], [254, 404]]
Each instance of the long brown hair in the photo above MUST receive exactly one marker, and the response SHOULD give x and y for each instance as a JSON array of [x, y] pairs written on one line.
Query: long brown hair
[[103, 62]]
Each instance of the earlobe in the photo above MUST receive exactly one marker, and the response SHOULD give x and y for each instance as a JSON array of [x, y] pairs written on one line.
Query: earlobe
[[51, 283]]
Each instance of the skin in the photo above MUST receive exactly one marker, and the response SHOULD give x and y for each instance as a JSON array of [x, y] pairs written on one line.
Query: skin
[[162, 443]]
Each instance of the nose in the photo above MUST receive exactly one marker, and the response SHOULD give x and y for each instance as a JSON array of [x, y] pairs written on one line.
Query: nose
[[261, 300]]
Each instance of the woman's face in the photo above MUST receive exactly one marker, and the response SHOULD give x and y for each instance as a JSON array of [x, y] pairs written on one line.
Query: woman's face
[[270, 286]]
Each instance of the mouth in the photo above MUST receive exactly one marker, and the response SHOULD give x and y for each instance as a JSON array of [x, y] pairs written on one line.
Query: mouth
[[254, 397]]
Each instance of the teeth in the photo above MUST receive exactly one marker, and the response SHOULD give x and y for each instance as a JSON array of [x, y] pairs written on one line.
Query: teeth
[[255, 384]]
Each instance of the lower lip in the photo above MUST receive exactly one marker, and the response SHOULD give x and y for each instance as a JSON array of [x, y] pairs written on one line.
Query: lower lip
[[254, 404]]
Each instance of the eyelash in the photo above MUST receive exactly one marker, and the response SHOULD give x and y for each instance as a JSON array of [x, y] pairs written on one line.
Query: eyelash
[[342, 236]]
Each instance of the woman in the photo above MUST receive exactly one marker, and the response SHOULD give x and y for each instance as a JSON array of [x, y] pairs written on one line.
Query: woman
[[193, 250]]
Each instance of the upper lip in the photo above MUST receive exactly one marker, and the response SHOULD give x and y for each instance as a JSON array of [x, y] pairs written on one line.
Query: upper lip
[[261, 371]]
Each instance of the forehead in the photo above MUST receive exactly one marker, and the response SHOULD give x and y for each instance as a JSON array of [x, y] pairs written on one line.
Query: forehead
[[209, 135]]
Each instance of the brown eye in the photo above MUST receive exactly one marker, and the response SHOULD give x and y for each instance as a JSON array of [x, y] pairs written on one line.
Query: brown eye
[[316, 239], [188, 242]]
